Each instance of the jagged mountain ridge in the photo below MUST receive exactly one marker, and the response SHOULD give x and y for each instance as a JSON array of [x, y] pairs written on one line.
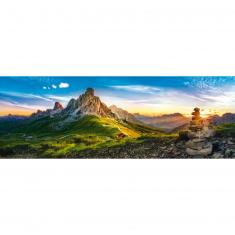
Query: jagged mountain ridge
[[85, 115], [85, 104], [49, 112], [123, 114], [88, 104]]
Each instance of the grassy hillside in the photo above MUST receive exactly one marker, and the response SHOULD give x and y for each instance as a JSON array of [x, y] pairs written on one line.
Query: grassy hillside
[[59, 126], [54, 137], [225, 130]]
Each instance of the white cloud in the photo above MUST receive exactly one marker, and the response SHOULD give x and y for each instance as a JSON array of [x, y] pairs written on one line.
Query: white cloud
[[44, 88], [138, 88], [54, 86], [164, 101], [25, 95], [220, 97], [63, 85], [61, 98], [22, 105]]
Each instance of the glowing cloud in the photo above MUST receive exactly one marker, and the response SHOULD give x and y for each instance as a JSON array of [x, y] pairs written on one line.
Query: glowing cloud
[[63, 85], [138, 88]]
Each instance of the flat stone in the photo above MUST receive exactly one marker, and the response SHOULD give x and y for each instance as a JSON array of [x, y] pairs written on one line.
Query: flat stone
[[196, 144], [202, 152], [217, 155]]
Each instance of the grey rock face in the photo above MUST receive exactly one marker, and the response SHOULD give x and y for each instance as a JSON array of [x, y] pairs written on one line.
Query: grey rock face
[[58, 108], [88, 104], [123, 114], [71, 107]]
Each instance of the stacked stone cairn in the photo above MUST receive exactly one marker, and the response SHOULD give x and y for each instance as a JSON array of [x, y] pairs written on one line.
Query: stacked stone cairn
[[199, 134]]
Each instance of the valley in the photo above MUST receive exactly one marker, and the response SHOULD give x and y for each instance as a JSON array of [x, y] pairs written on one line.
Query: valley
[[88, 128]]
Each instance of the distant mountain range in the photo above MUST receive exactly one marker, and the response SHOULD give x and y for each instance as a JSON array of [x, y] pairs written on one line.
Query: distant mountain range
[[88, 124], [85, 123], [89, 104], [225, 118], [12, 117], [167, 122], [85, 106]]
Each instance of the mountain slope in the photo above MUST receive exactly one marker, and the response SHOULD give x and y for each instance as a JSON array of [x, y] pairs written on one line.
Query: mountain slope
[[123, 114], [88, 124], [225, 118], [40, 137], [80, 116], [85, 123]]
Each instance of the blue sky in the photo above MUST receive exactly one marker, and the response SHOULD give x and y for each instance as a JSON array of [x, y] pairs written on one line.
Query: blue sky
[[147, 95]]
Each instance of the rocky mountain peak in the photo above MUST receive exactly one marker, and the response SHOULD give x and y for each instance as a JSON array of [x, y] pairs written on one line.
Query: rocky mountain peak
[[57, 106], [49, 112], [90, 92], [88, 104]]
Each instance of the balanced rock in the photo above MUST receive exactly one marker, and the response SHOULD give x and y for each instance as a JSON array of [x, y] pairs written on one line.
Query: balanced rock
[[198, 134]]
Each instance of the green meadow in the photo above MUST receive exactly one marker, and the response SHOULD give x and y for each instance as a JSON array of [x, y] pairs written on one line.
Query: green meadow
[[53, 137]]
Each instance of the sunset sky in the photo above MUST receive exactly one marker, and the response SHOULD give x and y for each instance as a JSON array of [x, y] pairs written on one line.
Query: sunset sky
[[146, 95]]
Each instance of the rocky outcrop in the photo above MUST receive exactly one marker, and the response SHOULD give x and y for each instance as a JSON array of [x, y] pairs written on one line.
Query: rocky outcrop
[[123, 114], [38, 113], [72, 106], [49, 112], [58, 106], [86, 104]]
